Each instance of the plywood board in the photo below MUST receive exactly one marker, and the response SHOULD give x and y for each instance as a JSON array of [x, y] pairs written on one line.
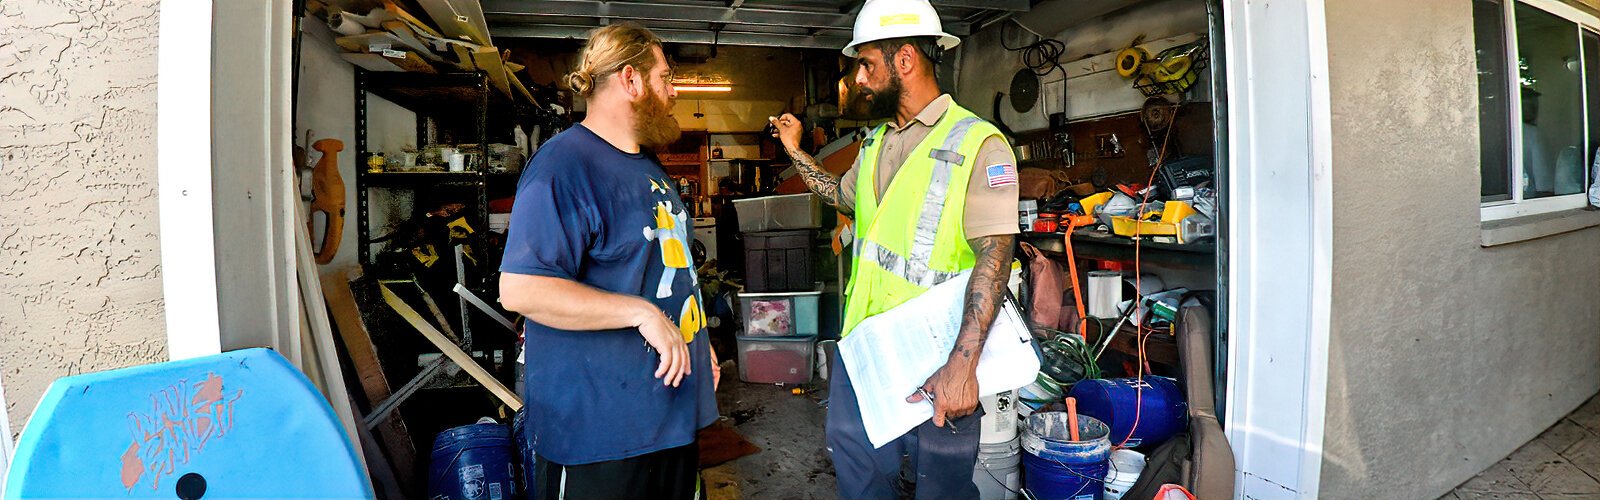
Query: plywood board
[[416, 24], [377, 62], [459, 19], [396, 439]]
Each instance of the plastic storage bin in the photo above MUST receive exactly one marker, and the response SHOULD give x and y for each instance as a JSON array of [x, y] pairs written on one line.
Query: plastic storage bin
[[779, 314], [776, 360], [778, 261], [779, 213]]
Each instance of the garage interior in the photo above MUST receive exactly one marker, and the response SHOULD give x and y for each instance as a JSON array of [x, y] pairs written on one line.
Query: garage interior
[[413, 120]]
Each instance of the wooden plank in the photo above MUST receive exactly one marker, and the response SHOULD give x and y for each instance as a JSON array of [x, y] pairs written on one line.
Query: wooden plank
[[521, 89], [450, 350], [377, 62], [396, 439], [438, 314], [384, 481], [486, 59], [321, 330], [416, 24], [459, 19]]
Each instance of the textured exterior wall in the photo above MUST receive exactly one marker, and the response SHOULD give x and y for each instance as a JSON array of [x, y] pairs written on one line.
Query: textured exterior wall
[[80, 268], [1444, 355]]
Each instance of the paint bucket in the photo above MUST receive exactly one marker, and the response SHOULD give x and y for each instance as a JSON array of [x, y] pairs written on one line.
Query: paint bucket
[[472, 462], [1150, 418], [999, 422], [1121, 472], [1044, 390], [525, 455], [998, 471], [1059, 468]]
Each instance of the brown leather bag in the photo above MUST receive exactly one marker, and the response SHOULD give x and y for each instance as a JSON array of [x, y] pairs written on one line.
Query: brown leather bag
[[1045, 288], [1038, 183]]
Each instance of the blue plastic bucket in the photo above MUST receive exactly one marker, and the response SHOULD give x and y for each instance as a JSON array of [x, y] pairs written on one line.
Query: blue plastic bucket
[[1058, 468], [472, 462], [1117, 402]]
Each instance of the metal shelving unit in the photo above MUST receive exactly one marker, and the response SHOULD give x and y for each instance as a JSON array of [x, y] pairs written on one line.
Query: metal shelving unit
[[444, 99]]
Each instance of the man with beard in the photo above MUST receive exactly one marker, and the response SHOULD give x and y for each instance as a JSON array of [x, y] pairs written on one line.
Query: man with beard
[[934, 193], [620, 372]]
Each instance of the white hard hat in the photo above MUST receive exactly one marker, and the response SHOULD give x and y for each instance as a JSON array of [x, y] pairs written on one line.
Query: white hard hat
[[885, 19]]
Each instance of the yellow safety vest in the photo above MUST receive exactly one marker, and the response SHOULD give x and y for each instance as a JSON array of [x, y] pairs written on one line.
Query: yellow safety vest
[[914, 237]]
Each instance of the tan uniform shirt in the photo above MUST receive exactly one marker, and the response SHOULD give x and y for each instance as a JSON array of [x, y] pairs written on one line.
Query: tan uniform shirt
[[990, 211]]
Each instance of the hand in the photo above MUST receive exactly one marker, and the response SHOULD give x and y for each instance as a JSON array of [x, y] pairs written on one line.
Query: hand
[[955, 392], [789, 130], [716, 369], [667, 340]]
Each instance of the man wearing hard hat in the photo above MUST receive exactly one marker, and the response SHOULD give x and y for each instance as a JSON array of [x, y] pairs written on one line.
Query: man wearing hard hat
[[934, 193]]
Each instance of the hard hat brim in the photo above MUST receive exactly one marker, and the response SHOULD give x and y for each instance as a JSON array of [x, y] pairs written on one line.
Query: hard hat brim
[[946, 42]]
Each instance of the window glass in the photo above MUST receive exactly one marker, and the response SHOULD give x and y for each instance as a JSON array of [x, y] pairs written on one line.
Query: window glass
[[1551, 85], [1489, 33]]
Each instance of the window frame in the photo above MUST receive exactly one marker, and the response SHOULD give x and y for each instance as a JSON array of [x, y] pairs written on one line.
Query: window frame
[[1517, 206]]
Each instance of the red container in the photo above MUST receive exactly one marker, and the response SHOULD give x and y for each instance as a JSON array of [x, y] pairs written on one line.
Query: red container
[[1047, 223], [776, 360]]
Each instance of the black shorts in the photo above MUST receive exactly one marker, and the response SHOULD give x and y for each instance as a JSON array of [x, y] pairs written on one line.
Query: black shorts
[[670, 474]]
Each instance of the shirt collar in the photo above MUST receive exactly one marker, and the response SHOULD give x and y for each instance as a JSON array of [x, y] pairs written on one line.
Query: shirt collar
[[931, 113]]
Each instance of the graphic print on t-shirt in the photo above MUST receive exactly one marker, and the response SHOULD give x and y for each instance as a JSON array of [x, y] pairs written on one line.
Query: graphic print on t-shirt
[[671, 231]]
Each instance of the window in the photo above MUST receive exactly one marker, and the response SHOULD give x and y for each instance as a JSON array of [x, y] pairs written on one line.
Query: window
[[1538, 65]]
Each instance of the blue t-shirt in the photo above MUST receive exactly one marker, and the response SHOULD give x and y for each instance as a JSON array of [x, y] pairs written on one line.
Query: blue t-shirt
[[589, 212]]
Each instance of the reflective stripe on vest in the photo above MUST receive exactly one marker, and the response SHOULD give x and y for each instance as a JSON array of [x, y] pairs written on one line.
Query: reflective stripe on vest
[[916, 269]]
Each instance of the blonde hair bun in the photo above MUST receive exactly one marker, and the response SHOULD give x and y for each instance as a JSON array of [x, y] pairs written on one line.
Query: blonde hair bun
[[581, 82]]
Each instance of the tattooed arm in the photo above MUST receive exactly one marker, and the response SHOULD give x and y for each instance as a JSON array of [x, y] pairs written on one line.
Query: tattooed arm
[[955, 385], [822, 182]]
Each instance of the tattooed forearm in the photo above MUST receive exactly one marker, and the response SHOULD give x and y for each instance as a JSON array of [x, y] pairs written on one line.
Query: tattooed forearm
[[985, 292], [820, 181]]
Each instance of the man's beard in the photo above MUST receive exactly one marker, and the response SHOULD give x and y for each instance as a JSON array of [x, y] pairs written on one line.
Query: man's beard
[[886, 102], [653, 123]]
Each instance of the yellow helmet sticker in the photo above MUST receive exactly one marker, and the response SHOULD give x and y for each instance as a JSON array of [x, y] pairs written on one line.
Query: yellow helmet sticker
[[899, 20]]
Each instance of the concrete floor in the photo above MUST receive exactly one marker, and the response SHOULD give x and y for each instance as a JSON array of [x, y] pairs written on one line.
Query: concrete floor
[[793, 462], [1563, 462]]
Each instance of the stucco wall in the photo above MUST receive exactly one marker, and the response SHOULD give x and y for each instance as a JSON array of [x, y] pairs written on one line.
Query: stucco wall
[[1444, 355], [80, 268]]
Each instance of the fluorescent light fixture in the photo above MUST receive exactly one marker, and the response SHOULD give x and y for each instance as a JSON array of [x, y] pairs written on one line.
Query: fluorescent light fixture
[[702, 88]]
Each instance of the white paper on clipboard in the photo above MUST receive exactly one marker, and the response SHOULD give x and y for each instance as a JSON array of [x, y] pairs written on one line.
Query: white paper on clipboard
[[890, 355]]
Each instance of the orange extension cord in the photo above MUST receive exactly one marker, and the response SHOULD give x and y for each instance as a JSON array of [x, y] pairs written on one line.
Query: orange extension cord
[[1138, 296]]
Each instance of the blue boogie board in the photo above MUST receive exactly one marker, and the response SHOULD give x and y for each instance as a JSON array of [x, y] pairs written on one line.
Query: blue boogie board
[[232, 425]]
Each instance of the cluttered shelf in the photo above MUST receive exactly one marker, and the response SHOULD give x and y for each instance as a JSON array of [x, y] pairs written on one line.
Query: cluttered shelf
[[390, 179], [443, 91], [1092, 244], [1159, 346]]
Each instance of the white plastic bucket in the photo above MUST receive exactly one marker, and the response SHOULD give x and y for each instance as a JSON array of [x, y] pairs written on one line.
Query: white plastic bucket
[[1121, 472], [997, 473], [999, 423]]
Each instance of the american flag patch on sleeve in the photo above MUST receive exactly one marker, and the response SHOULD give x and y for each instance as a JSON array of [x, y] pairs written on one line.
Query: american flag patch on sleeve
[[1004, 174]]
